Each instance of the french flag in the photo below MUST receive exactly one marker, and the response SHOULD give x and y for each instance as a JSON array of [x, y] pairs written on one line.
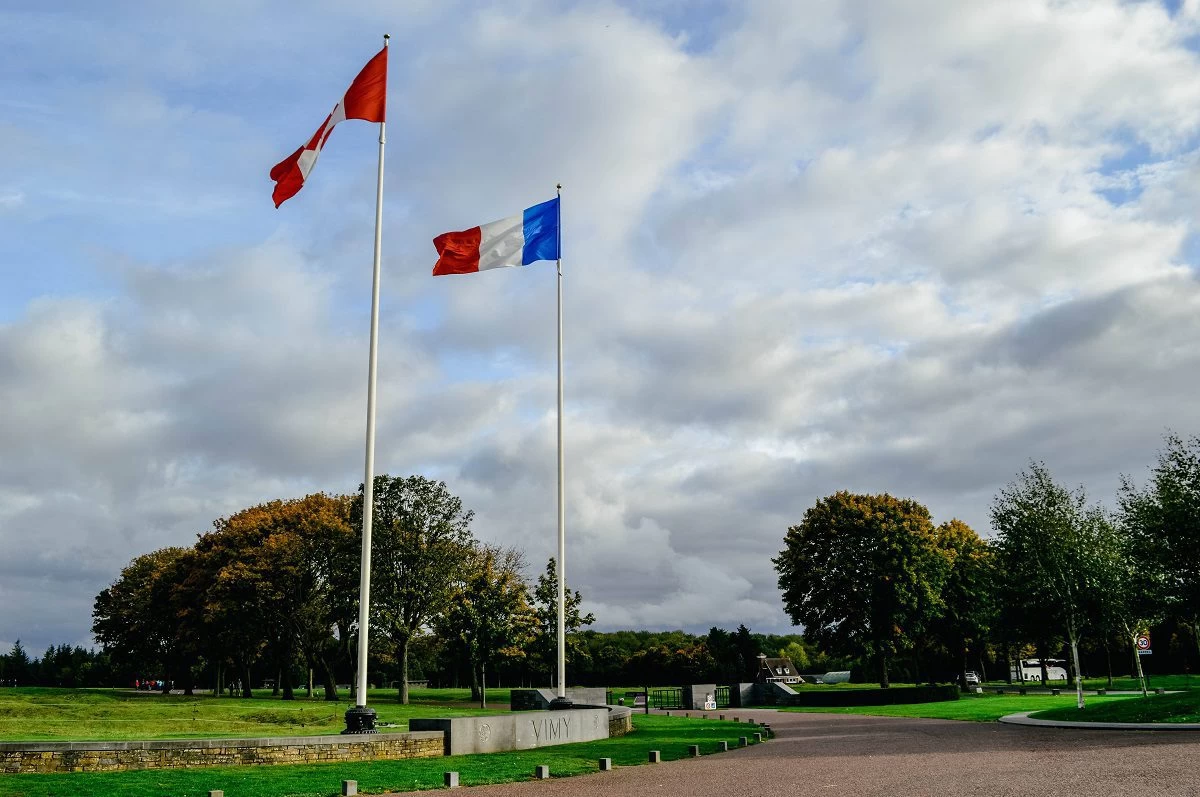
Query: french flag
[[515, 241]]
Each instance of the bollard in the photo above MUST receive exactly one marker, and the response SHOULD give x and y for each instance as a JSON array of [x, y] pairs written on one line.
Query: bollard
[[737, 719], [1053, 692], [349, 788], [758, 738], [742, 741], [655, 757], [216, 793], [722, 747], [542, 772], [1160, 691], [1101, 692], [687, 715], [605, 764], [694, 750], [1022, 692], [450, 780], [721, 716], [668, 713]]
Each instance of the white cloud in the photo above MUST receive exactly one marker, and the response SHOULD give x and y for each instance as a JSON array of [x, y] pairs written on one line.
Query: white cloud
[[813, 247]]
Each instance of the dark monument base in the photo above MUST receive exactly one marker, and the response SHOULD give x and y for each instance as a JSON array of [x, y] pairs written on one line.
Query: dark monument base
[[360, 719], [561, 704]]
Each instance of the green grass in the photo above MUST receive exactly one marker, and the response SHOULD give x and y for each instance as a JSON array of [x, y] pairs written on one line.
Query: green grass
[[1183, 707], [971, 707], [670, 735], [1122, 683], [36, 714]]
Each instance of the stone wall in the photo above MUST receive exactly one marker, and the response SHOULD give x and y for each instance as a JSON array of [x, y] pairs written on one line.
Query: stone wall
[[539, 699], [181, 753], [518, 730], [620, 720]]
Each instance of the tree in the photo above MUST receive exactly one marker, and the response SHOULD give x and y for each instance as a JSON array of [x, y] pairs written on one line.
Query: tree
[[968, 594], [421, 539], [862, 573], [1053, 548], [489, 614], [545, 597], [1163, 521], [132, 619]]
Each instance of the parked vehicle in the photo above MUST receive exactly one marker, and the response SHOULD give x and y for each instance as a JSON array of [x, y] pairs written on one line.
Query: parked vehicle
[[1031, 670], [973, 678]]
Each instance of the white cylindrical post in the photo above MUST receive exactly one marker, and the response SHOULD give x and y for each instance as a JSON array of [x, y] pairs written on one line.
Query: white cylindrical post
[[562, 517], [364, 718]]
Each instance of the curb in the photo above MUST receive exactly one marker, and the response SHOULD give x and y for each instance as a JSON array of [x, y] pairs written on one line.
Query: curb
[[1023, 718]]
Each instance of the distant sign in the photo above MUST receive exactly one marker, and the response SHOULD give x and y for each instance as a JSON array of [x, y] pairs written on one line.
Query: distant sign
[[1145, 652], [1143, 643]]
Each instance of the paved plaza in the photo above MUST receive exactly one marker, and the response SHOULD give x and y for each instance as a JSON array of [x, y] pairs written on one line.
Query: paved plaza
[[830, 755]]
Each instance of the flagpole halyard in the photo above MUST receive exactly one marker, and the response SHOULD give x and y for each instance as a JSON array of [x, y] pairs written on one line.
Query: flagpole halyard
[[361, 719]]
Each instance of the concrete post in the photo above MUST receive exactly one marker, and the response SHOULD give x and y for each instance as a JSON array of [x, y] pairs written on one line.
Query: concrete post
[[349, 788], [450, 780], [655, 757], [605, 764], [542, 772]]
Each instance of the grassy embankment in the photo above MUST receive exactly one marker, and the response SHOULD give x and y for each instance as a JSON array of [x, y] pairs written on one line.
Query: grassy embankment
[[971, 707], [1181, 707], [116, 715], [669, 735]]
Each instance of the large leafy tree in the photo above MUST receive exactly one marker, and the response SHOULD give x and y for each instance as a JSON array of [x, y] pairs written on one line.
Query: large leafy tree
[[1163, 520], [489, 616], [1054, 551], [545, 597], [863, 574], [968, 595], [420, 542], [133, 620]]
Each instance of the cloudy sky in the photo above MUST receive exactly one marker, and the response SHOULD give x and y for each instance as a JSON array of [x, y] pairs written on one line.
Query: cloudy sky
[[809, 246]]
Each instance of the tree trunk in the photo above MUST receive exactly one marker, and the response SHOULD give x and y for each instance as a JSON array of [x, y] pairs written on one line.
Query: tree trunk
[[1137, 664], [1078, 677], [884, 682], [403, 645], [219, 688], [247, 692], [962, 671], [278, 681], [330, 681], [482, 685], [1108, 660], [310, 681]]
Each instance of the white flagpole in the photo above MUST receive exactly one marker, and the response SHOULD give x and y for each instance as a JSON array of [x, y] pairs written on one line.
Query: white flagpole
[[363, 720], [562, 536]]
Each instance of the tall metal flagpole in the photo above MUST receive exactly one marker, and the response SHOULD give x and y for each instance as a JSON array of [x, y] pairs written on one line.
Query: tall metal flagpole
[[361, 719], [561, 700]]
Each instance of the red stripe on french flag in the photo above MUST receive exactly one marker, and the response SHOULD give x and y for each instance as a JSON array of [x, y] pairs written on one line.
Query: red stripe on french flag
[[458, 252]]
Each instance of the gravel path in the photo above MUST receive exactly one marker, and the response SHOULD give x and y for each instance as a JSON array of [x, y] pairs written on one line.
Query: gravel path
[[832, 755]]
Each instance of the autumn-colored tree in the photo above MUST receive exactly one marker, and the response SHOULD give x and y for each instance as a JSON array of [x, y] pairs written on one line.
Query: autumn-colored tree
[[863, 575], [420, 541], [131, 619], [270, 579]]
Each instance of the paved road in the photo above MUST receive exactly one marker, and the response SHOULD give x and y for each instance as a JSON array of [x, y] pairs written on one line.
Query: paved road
[[834, 755]]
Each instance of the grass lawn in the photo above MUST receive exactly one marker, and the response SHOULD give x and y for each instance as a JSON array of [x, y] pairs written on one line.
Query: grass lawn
[[1182, 707], [28, 714], [670, 735], [1123, 683], [971, 707]]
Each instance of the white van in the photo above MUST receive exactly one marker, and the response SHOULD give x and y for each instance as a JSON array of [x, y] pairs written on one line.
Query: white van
[[1031, 670]]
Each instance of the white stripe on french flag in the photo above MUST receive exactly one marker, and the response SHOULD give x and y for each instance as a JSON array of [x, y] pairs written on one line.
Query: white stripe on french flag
[[516, 241]]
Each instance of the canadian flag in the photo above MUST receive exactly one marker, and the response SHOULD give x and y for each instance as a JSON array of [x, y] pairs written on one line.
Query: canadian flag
[[366, 99]]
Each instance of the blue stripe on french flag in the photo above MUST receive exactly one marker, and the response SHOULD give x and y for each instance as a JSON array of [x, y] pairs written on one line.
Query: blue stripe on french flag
[[515, 241]]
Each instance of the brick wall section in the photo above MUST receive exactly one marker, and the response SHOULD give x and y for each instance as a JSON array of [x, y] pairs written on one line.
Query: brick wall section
[[173, 754], [620, 720]]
